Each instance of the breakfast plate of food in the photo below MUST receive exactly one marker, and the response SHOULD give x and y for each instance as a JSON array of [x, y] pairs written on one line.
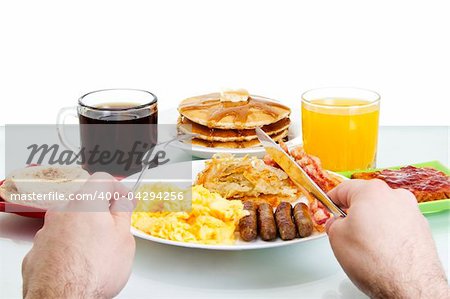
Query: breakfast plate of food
[[225, 123], [237, 203], [20, 191], [428, 181]]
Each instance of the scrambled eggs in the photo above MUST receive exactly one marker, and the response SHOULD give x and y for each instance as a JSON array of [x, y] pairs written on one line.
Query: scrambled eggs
[[212, 220]]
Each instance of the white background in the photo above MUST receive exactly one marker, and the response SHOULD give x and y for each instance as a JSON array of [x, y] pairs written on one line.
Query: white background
[[52, 52]]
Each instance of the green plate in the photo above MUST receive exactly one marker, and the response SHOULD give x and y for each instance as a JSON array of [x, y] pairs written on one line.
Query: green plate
[[425, 207]]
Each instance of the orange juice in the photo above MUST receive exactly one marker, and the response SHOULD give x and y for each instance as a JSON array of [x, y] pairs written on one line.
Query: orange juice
[[342, 132]]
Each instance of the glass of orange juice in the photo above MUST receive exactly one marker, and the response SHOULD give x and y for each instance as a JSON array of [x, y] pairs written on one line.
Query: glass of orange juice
[[340, 126]]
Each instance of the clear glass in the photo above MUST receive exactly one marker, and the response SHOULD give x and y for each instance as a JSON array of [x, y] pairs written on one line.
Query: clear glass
[[340, 126], [116, 104]]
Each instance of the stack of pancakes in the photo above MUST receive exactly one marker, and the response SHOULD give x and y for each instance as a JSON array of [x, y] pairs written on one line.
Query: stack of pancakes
[[230, 122]]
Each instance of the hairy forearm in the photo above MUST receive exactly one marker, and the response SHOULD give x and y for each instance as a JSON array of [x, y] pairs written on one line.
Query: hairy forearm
[[437, 290], [61, 274], [428, 282], [67, 290]]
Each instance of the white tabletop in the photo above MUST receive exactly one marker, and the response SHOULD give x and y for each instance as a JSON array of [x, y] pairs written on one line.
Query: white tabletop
[[305, 270]]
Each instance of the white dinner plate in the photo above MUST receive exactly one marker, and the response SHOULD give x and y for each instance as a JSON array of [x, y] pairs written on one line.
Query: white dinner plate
[[170, 116], [198, 166]]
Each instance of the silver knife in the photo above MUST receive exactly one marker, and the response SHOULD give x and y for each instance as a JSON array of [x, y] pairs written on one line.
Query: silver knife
[[296, 173]]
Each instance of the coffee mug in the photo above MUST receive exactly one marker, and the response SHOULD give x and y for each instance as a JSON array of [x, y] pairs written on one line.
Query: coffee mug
[[117, 127]]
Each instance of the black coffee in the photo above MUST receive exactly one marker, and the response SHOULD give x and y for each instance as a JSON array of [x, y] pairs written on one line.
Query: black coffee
[[115, 137]]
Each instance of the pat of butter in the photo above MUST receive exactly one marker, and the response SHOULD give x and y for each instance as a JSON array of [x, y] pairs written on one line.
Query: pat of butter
[[239, 95]]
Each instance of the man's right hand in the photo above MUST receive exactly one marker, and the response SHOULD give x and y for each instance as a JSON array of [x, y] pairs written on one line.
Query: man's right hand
[[385, 244]]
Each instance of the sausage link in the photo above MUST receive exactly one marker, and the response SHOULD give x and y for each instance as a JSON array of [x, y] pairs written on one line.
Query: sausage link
[[266, 222], [248, 224], [283, 217], [303, 220]]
